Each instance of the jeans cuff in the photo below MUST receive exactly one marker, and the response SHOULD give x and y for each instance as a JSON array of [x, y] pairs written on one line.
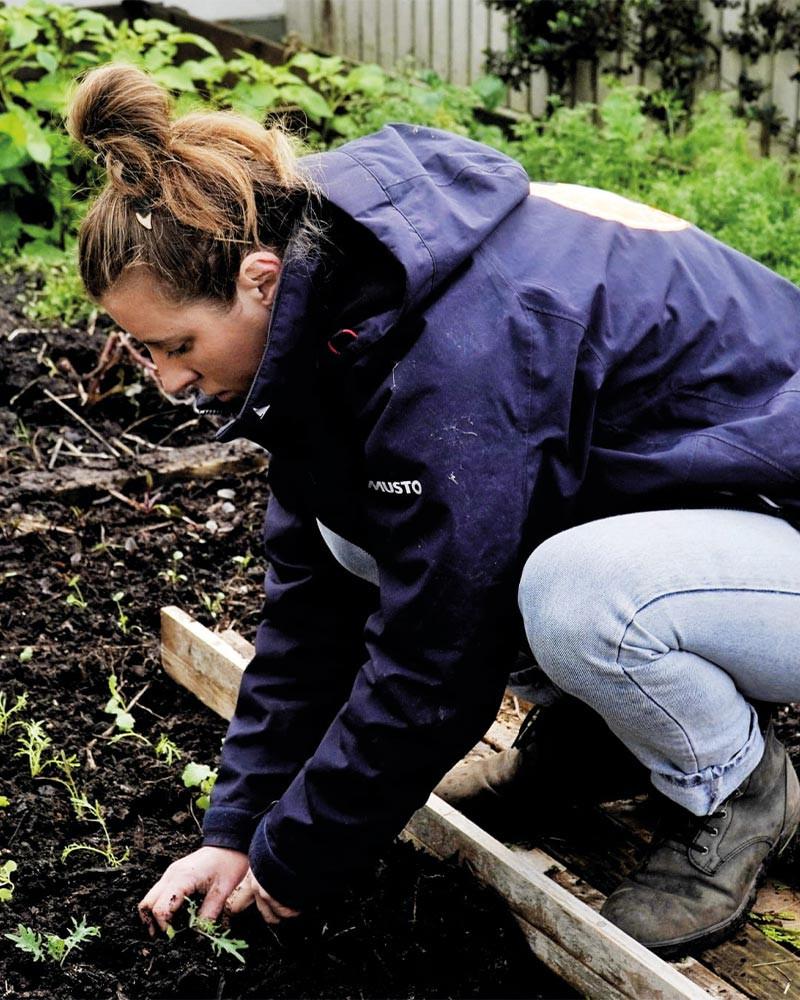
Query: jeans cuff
[[702, 792]]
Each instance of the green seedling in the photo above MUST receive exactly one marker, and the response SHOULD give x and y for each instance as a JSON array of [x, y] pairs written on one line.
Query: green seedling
[[203, 777], [26, 655], [32, 744], [171, 574], [209, 929], [167, 749], [68, 765], [117, 707], [771, 925], [212, 602], [94, 814], [244, 561], [75, 598], [4, 801], [122, 618], [6, 713], [6, 885], [51, 947]]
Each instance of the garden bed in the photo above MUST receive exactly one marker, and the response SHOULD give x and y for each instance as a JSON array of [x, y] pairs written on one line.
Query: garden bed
[[89, 543]]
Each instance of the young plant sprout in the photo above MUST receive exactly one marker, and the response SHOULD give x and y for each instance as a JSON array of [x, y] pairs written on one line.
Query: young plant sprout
[[203, 777], [6, 713], [122, 618], [213, 602], [67, 765], [6, 885], [171, 574], [44, 947], [209, 929], [167, 749], [32, 744], [75, 598], [95, 815], [117, 707], [26, 654]]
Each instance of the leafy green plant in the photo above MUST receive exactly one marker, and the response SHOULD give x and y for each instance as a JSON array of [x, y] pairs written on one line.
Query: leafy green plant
[[122, 617], [771, 925], [213, 602], [32, 745], [5, 713], [50, 946], [7, 869], [118, 707], [171, 574], [202, 777], [167, 749], [221, 941], [67, 766], [75, 598], [94, 813]]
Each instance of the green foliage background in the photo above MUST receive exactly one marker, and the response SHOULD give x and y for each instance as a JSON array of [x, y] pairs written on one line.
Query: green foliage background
[[701, 167]]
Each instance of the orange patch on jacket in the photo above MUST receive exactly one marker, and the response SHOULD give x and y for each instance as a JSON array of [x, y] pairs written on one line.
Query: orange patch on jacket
[[609, 206]]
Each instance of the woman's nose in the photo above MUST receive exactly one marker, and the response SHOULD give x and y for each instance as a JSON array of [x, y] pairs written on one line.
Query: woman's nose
[[174, 376]]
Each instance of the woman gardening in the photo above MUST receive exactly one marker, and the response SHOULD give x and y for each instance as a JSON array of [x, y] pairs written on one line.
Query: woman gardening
[[501, 417]]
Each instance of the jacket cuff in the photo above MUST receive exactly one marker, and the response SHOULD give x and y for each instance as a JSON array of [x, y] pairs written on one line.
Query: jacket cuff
[[224, 826], [282, 883]]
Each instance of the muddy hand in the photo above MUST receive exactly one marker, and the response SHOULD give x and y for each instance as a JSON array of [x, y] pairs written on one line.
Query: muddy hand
[[214, 871], [249, 891]]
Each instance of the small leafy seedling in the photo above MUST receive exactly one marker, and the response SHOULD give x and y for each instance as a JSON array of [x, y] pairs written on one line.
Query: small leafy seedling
[[221, 941], [6, 885], [95, 815], [117, 707], [213, 602], [122, 618], [167, 749], [5, 713], [51, 946], [67, 766], [75, 598], [32, 744], [171, 574], [203, 777]]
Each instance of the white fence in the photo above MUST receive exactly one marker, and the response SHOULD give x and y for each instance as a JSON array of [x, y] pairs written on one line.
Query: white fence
[[449, 36]]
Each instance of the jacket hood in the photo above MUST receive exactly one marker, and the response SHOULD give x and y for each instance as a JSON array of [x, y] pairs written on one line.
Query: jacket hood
[[406, 207], [429, 197]]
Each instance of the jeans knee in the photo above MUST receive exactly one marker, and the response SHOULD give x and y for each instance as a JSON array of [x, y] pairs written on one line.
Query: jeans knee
[[550, 606]]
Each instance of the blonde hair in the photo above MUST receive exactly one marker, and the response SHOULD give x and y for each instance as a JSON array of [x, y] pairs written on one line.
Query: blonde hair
[[215, 184]]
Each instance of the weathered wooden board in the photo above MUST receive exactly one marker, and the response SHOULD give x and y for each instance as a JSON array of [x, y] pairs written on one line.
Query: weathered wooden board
[[554, 899]]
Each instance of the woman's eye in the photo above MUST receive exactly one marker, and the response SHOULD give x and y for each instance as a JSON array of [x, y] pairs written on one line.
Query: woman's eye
[[176, 351]]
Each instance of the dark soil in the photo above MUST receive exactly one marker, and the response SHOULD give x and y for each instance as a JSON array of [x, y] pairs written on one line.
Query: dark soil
[[410, 927]]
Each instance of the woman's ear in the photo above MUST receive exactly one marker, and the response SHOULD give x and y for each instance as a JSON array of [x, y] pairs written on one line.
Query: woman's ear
[[258, 276]]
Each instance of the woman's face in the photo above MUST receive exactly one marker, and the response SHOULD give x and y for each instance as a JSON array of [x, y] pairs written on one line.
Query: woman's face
[[204, 345]]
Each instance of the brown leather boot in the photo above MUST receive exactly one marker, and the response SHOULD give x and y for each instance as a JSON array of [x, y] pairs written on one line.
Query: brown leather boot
[[563, 754]]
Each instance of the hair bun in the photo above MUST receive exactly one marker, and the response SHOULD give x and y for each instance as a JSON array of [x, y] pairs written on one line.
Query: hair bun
[[122, 114]]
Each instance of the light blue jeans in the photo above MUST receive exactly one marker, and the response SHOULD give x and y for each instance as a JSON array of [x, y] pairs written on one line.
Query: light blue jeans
[[665, 623]]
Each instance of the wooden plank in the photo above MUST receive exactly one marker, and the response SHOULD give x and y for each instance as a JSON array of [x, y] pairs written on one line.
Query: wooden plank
[[627, 966], [201, 661]]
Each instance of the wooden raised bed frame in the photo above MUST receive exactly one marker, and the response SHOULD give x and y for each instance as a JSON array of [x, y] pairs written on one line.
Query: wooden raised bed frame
[[553, 893]]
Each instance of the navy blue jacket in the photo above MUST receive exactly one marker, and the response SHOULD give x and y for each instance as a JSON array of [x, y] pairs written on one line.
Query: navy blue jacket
[[518, 360]]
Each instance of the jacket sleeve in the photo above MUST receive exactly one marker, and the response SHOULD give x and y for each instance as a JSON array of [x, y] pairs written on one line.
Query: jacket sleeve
[[308, 647], [438, 650]]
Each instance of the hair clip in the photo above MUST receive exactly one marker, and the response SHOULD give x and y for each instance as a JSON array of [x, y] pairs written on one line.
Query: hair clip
[[145, 220]]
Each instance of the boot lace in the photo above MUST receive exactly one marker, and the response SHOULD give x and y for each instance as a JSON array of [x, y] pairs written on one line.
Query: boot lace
[[680, 828]]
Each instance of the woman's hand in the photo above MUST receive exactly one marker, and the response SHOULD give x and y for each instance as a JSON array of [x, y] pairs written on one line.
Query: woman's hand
[[249, 891], [214, 871]]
